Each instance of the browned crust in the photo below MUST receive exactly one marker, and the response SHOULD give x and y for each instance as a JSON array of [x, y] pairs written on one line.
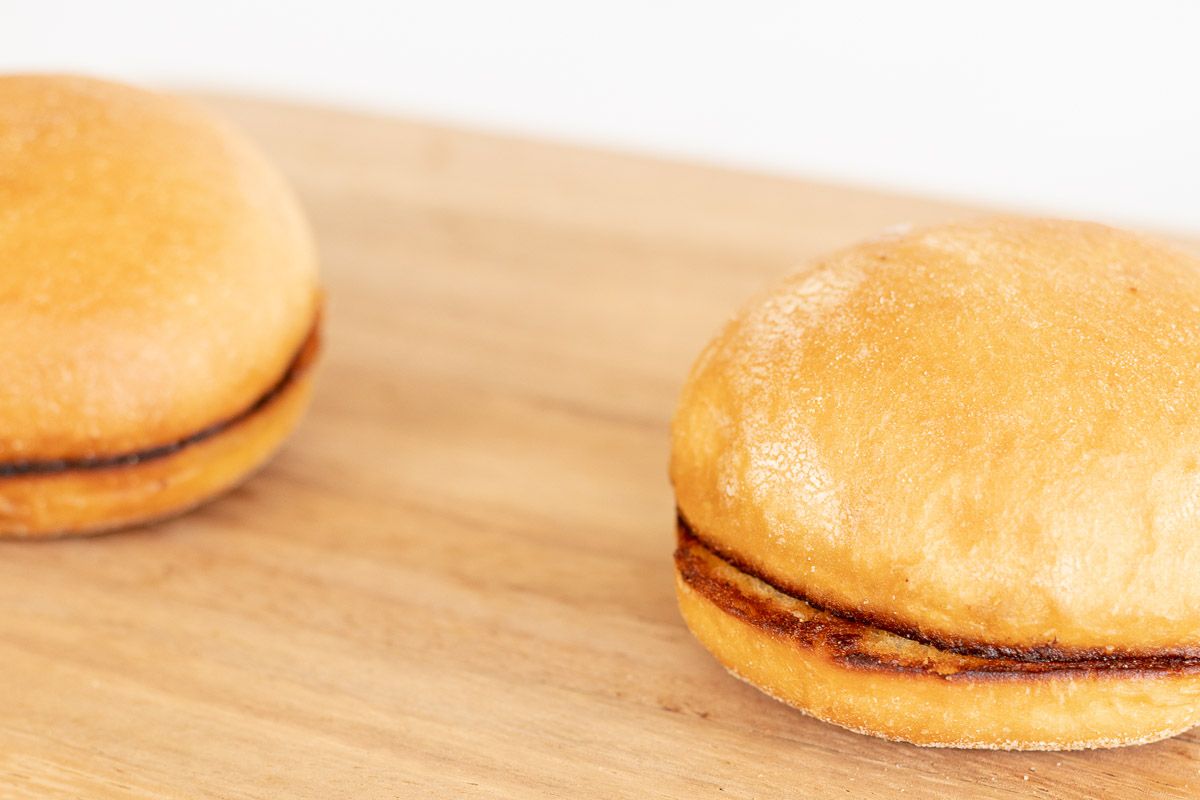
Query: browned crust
[[1035, 653], [846, 640], [303, 358]]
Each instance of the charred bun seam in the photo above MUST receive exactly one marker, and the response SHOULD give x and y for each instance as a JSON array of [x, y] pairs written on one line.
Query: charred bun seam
[[303, 359], [1167, 658]]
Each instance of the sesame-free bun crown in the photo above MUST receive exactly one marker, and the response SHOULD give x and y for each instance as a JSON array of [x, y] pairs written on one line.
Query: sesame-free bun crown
[[157, 275], [985, 436]]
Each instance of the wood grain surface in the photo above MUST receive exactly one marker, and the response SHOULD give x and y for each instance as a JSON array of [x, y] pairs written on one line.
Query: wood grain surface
[[455, 581]]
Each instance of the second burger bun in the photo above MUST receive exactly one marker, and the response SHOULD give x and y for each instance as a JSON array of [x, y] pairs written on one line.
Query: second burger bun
[[158, 305], [969, 457]]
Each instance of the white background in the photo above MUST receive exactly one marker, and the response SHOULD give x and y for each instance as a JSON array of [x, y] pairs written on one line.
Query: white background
[[1083, 109]]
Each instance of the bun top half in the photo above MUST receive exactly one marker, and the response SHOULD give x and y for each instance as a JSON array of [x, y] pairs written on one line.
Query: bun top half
[[985, 435], [158, 275]]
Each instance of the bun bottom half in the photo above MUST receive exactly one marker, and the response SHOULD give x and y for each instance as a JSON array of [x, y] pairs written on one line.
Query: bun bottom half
[[875, 682], [52, 499]]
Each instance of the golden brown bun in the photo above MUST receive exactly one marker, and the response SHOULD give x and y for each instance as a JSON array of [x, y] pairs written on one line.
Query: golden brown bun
[[160, 483], [983, 436], [159, 280], [944, 487], [874, 682]]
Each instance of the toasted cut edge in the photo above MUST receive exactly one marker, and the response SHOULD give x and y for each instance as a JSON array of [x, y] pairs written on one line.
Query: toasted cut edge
[[104, 494], [886, 620], [875, 682]]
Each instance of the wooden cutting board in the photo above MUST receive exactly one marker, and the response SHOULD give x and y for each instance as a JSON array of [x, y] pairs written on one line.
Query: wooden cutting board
[[455, 581]]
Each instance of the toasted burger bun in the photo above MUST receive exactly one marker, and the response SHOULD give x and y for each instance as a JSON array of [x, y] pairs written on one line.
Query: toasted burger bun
[[969, 459], [158, 306]]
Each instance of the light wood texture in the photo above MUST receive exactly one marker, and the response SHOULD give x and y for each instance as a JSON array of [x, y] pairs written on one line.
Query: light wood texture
[[456, 580]]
